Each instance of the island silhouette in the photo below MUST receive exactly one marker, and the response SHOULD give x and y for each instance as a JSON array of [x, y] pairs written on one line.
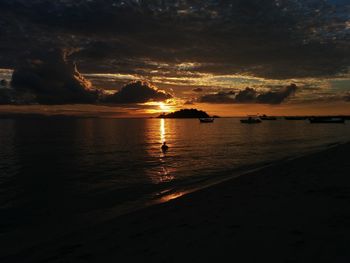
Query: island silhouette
[[185, 113]]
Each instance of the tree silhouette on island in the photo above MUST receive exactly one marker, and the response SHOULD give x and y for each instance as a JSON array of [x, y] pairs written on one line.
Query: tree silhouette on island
[[186, 113]]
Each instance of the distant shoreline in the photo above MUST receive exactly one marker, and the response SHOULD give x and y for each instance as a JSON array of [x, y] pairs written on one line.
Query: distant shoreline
[[23, 115]]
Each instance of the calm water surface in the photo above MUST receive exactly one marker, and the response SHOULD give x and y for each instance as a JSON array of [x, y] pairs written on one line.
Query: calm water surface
[[62, 173]]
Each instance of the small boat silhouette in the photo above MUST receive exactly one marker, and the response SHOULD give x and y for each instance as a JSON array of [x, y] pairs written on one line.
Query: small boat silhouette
[[206, 120], [251, 120]]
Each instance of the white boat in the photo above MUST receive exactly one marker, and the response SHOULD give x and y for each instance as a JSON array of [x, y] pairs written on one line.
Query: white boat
[[206, 120]]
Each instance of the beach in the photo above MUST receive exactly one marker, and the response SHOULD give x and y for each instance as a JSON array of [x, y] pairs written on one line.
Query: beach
[[174, 131], [292, 211]]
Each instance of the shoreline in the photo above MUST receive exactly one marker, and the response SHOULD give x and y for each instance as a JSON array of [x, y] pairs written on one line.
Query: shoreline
[[183, 213], [241, 171], [98, 217]]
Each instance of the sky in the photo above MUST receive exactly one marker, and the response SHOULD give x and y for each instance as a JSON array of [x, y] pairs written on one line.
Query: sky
[[141, 58]]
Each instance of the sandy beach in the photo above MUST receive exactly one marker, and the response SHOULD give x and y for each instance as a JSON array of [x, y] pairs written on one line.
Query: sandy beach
[[293, 211]]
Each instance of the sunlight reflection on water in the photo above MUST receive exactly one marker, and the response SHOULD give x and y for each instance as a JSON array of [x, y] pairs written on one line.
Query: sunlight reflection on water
[[54, 166]]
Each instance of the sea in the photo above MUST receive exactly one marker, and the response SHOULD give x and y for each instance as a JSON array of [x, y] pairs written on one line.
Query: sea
[[58, 175]]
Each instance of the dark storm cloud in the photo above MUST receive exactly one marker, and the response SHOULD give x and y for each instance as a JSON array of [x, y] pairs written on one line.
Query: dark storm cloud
[[276, 97], [247, 95], [250, 95], [219, 97], [272, 38], [138, 92], [51, 79]]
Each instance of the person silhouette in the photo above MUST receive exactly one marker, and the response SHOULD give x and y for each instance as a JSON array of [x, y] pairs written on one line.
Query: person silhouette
[[164, 147]]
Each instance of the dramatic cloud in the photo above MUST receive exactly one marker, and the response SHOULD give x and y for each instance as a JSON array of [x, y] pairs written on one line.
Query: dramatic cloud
[[220, 97], [189, 46], [250, 95], [272, 39], [138, 92], [278, 96], [51, 79]]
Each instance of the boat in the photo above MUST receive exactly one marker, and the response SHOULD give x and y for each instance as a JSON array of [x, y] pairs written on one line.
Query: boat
[[206, 120], [267, 118], [326, 120], [251, 120]]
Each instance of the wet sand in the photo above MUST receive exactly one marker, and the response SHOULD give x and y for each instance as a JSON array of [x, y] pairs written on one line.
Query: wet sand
[[293, 211]]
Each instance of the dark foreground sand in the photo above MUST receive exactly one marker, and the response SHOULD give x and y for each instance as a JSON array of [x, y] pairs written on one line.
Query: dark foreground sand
[[294, 211]]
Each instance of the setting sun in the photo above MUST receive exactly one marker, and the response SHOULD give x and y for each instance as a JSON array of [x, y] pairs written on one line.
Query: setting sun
[[163, 107], [155, 107]]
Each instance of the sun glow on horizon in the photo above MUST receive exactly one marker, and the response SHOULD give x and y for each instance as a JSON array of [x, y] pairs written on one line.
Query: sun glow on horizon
[[160, 107], [164, 107]]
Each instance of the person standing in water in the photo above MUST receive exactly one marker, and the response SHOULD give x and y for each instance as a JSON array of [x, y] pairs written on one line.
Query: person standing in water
[[164, 147]]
